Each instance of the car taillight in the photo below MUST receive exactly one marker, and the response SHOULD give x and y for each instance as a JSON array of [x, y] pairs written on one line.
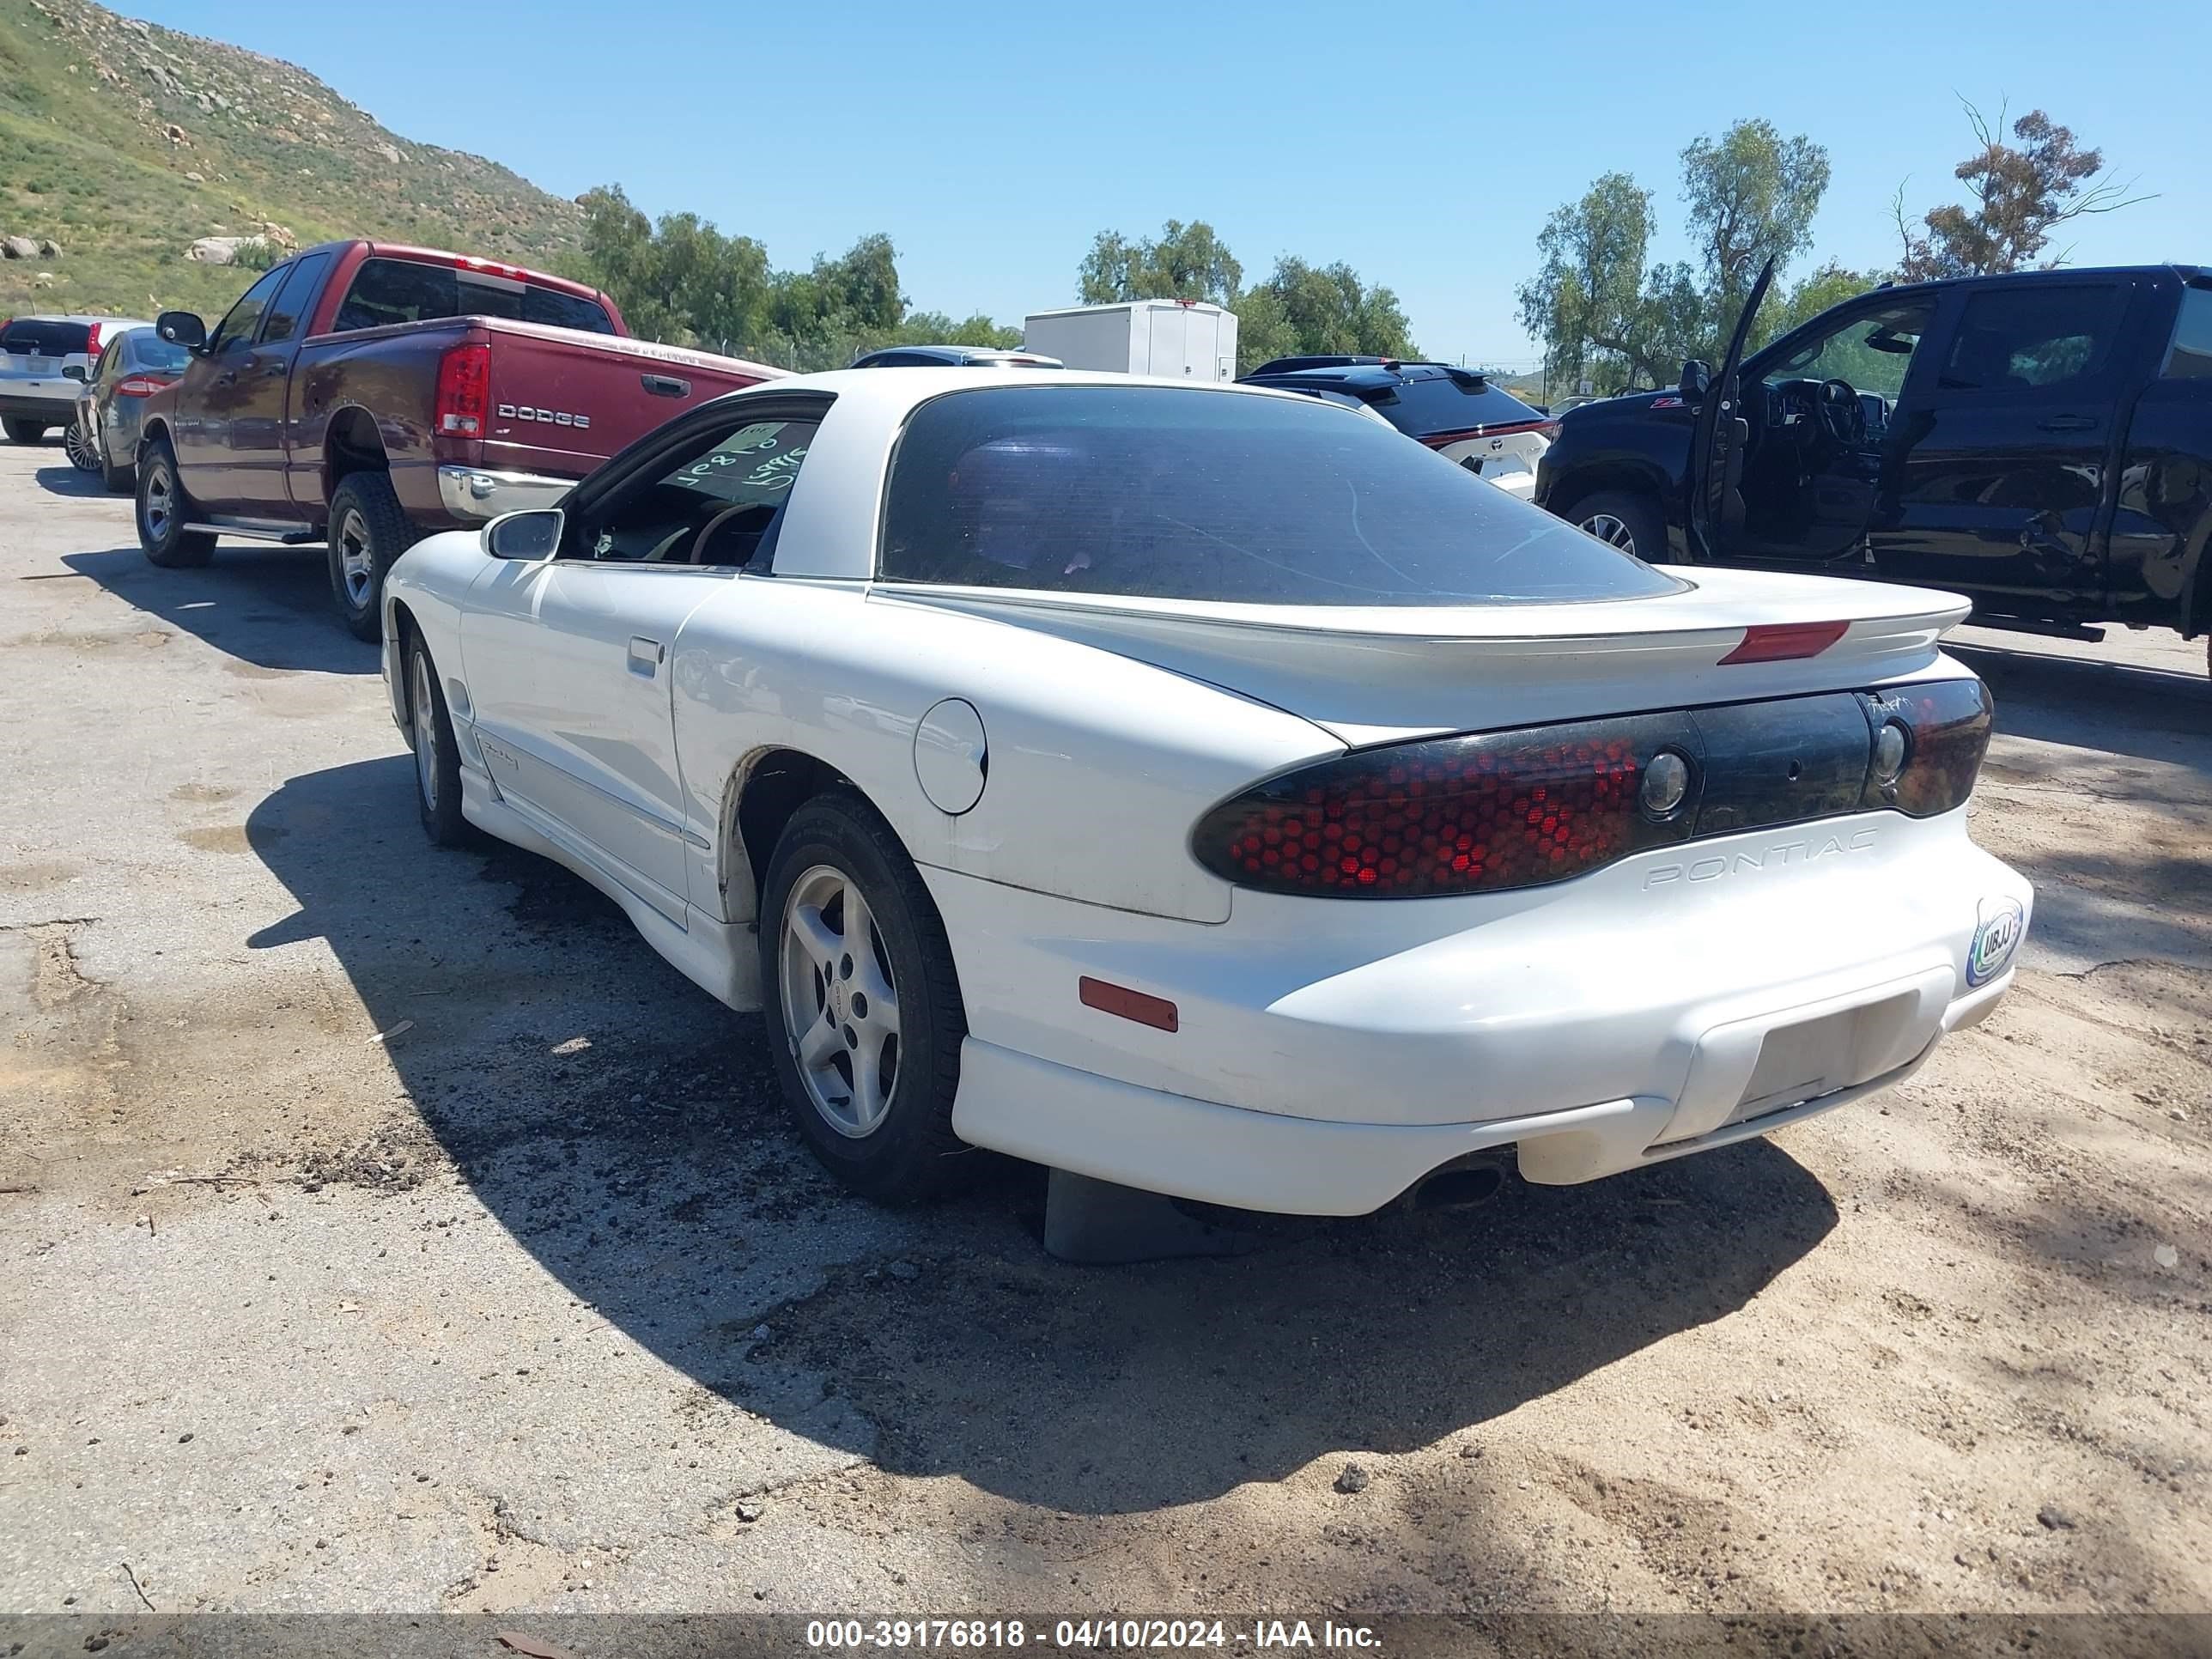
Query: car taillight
[[138, 386], [1549, 431], [92, 342], [1492, 811], [1452, 815], [464, 391], [1946, 726]]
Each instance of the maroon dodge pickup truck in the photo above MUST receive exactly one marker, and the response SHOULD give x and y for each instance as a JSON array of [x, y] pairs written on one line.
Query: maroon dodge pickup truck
[[362, 394]]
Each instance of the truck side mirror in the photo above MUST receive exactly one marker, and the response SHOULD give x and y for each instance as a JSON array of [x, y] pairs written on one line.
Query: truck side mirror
[[1697, 380], [182, 328]]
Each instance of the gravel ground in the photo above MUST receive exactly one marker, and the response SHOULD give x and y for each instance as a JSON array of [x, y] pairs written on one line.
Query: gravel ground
[[387, 1229]]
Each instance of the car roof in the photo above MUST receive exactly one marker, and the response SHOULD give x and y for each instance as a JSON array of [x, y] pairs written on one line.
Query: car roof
[[1391, 372], [81, 317], [2061, 273]]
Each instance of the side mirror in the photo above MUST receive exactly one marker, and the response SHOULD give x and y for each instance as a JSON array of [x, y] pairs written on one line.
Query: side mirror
[[182, 328], [1697, 380], [534, 535]]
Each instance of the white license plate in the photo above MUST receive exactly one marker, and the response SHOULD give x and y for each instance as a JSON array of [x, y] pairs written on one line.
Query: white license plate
[[42, 365]]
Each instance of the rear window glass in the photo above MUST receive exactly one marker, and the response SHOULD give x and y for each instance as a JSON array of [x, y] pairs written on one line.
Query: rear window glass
[[387, 291], [148, 350], [1163, 493], [32, 340], [1422, 408]]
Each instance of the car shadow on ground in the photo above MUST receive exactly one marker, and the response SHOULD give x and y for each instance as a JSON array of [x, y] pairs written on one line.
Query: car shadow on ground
[[66, 480], [2120, 708], [626, 1130], [270, 606]]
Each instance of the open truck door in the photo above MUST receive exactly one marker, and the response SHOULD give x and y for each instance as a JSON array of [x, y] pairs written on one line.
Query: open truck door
[[1718, 439]]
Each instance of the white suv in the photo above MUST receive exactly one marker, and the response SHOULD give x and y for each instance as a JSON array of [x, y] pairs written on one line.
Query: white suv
[[44, 362]]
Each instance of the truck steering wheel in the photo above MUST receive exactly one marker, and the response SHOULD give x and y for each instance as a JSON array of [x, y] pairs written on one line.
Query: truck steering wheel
[[1842, 413]]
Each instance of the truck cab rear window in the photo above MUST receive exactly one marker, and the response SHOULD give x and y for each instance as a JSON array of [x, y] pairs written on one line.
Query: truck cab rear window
[[387, 291], [1162, 493]]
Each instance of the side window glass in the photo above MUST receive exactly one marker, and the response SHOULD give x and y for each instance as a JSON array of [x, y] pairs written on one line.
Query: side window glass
[[287, 311], [2022, 340], [385, 291], [237, 327], [2190, 355], [719, 506], [1872, 352]]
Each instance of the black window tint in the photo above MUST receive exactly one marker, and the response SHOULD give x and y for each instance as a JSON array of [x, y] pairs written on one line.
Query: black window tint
[[36, 339], [288, 311], [1165, 493], [148, 350], [387, 291], [559, 310], [2190, 357], [2019, 339], [238, 325], [1443, 404], [718, 507]]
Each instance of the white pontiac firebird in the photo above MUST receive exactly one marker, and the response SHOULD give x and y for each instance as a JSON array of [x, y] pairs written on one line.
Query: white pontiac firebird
[[1206, 790]]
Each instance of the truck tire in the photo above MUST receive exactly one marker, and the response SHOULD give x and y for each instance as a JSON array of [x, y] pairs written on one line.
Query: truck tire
[[1625, 520], [368, 532], [25, 432], [865, 1022], [164, 510]]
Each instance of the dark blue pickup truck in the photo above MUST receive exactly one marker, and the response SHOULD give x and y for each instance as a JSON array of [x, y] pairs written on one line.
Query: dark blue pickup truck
[[2041, 442]]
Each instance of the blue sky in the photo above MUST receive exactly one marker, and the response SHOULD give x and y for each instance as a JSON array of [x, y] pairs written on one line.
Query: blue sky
[[1423, 145]]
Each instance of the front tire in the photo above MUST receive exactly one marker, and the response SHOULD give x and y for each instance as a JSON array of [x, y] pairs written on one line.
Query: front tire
[[368, 532], [24, 432], [77, 444], [1625, 520], [437, 758], [163, 511], [863, 1002]]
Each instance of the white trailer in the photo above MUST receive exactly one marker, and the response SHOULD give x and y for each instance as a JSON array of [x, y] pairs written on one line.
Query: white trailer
[[1185, 338]]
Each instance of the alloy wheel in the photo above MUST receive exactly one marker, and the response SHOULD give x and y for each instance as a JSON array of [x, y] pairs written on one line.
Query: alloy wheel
[[356, 564], [1610, 531], [425, 722], [77, 444], [160, 501], [840, 1012]]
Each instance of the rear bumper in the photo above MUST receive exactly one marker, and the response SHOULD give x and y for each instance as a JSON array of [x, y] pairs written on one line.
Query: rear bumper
[[1263, 1161], [1329, 1053], [472, 495], [19, 403]]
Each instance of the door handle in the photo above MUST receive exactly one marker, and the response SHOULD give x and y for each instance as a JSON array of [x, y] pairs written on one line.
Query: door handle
[[276, 368], [229, 377], [645, 656], [2067, 424], [666, 385]]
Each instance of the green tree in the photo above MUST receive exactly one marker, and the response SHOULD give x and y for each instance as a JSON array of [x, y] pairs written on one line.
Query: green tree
[[1303, 309], [2022, 192], [1605, 316], [1187, 261]]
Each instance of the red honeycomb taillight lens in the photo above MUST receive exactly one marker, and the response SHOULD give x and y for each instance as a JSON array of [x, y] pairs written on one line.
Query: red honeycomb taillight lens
[[1494, 810], [1452, 815]]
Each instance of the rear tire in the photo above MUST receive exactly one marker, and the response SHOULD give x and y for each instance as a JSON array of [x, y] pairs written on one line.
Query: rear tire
[[849, 1007], [119, 480], [368, 532], [24, 432], [163, 512], [437, 758], [1625, 520]]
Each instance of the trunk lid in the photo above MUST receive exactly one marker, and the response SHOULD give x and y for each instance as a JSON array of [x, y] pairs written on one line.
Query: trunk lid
[[1379, 674], [562, 401]]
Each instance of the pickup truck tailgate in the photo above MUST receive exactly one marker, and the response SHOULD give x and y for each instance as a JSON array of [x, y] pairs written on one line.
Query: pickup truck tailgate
[[560, 402]]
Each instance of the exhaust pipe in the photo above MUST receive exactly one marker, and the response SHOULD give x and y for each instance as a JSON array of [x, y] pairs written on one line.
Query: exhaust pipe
[[1462, 1184]]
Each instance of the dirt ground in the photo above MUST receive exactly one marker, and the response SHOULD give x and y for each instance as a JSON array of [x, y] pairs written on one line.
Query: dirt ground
[[386, 1230]]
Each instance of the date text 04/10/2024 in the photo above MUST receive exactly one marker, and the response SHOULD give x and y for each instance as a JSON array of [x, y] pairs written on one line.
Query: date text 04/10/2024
[[1087, 1635]]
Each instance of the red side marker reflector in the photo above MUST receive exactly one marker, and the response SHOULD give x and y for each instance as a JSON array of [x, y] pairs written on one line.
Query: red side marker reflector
[[1785, 641], [1156, 1012]]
